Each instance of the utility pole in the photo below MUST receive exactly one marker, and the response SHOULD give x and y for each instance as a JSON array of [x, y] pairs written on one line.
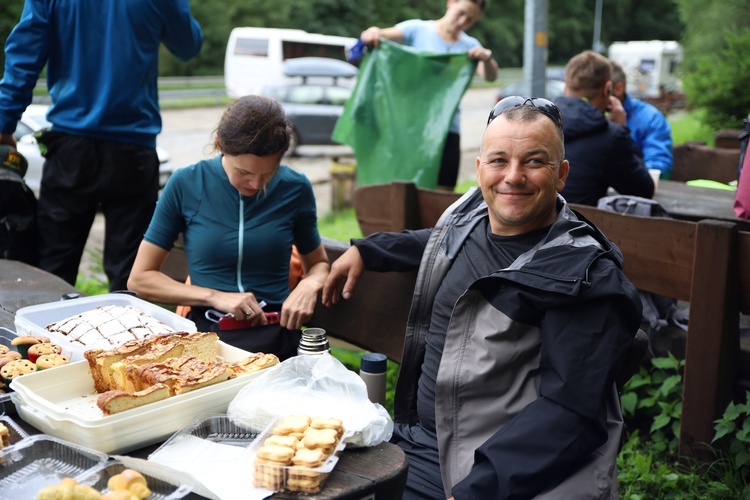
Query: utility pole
[[535, 44], [596, 45]]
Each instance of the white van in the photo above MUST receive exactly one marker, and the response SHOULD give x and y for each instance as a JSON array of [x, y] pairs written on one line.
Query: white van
[[255, 56], [649, 66]]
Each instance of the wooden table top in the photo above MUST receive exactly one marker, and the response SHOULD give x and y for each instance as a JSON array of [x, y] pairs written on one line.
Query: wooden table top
[[695, 203], [374, 472]]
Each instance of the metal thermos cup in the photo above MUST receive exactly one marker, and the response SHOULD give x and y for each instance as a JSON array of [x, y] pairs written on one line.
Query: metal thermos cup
[[313, 341]]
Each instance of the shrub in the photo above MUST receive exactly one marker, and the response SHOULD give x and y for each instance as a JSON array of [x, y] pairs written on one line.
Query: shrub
[[719, 84]]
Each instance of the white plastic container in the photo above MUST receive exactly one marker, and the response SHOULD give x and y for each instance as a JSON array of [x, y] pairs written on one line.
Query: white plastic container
[[32, 320], [62, 402]]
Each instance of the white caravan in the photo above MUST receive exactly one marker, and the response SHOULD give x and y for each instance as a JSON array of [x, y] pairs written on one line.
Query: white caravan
[[649, 66], [255, 56]]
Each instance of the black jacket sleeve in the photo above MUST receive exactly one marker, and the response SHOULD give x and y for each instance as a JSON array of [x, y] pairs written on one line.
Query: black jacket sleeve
[[393, 251]]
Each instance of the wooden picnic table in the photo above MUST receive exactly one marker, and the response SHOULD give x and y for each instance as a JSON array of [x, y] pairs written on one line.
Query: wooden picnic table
[[694, 203], [374, 472]]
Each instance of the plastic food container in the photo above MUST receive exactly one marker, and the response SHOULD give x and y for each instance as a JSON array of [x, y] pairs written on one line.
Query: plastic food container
[[15, 433], [6, 337], [38, 461], [32, 320], [62, 402], [217, 428], [161, 488], [293, 478]]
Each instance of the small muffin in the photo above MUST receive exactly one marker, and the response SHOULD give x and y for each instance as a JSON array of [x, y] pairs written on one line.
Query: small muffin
[[4, 349], [37, 350], [15, 369], [8, 357], [23, 342], [46, 361]]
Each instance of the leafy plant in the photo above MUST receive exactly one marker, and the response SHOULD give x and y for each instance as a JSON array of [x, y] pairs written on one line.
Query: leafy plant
[[734, 427], [645, 473], [652, 402]]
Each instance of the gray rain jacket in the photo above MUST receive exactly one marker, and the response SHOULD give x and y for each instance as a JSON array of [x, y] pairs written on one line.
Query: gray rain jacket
[[525, 396]]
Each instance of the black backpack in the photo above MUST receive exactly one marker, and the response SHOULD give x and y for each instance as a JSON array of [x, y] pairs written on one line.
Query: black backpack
[[18, 226], [659, 311]]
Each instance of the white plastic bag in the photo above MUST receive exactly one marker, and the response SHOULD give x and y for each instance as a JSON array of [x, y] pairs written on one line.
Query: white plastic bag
[[314, 385]]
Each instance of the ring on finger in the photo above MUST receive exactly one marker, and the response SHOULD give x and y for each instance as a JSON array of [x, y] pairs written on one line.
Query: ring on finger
[[248, 313]]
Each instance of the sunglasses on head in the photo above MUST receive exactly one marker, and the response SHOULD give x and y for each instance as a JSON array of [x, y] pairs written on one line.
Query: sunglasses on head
[[545, 106]]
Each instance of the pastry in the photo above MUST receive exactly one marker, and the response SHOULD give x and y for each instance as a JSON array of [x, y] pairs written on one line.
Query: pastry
[[200, 345], [4, 436], [51, 361], [108, 326], [23, 342], [131, 481], [324, 439], [15, 369], [292, 424], [4, 349], [309, 458], [8, 357], [275, 453], [183, 374], [37, 350], [68, 489], [117, 401], [288, 441]]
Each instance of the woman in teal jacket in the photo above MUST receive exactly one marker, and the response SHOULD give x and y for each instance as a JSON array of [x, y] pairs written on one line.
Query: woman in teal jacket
[[239, 214]]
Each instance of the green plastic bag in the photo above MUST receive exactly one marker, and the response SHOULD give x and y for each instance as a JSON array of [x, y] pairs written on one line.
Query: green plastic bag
[[398, 115]]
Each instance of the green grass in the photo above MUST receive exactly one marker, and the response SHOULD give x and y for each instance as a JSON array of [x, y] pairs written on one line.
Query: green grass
[[688, 126], [341, 226]]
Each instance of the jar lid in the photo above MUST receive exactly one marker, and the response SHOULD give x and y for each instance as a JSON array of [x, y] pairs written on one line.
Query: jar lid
[[373, 362]]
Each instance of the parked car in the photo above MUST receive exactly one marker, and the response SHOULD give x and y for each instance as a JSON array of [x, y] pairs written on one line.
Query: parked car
[[554, 88], [315, 101], [34, 120]]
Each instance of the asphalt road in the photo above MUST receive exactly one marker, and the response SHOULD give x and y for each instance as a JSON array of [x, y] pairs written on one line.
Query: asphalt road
[[187, 136]]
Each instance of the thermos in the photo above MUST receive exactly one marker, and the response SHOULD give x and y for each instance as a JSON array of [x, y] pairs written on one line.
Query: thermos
[[313, 341], [373, 367]]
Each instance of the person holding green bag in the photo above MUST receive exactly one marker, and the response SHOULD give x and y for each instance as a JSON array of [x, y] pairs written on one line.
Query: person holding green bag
[[444, 36]]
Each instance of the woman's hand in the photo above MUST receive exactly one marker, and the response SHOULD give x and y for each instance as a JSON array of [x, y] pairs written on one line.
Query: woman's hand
[[299, 306], [480, 54], [243, 306]]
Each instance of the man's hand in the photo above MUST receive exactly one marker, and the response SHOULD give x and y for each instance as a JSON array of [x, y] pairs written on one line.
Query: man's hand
[[343, 277], [617, 113], [8, 139]]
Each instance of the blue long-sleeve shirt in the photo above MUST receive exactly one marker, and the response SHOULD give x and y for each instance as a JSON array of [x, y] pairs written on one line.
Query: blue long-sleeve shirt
[[651, 132], [102, 64]]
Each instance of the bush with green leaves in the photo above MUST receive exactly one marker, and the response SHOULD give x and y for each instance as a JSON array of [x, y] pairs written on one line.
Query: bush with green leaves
[[734, 428], [652, 402], [719, 83]]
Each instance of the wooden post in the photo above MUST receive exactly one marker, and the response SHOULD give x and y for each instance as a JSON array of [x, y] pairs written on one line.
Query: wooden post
[[712, 351]]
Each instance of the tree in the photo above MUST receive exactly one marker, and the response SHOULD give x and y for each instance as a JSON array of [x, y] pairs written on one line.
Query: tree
[[717, 59]]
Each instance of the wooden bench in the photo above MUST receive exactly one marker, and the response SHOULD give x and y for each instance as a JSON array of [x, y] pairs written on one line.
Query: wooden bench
[[697, 263], [693, 160]]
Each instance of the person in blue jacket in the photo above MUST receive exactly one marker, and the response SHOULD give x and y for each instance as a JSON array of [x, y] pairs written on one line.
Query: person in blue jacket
[[598, 145], [649, 128], [444, 36], [239, 214], [102, 65], [521, 320]]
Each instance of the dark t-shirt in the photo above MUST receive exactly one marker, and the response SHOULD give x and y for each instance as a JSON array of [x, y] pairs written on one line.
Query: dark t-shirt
[[482, 254]]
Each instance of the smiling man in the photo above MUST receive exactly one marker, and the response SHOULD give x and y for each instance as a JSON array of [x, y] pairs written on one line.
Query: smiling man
[[521, 320]]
